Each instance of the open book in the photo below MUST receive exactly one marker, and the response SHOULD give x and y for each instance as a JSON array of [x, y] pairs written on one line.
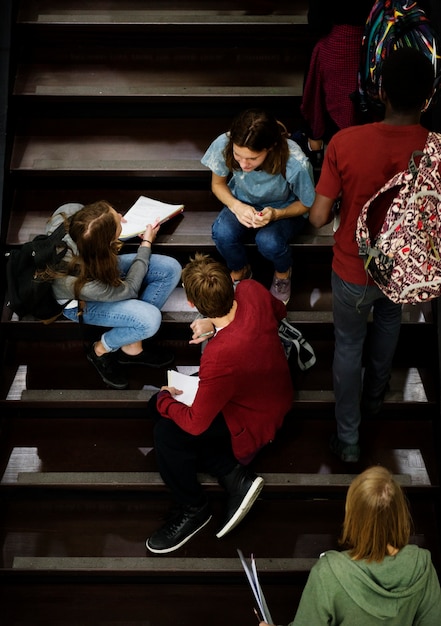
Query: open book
[[187, 384], [147, 211], [261, 606]]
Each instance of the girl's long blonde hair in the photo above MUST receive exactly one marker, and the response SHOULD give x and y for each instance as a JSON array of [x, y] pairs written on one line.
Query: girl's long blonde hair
[[377, 516], [94, 231]]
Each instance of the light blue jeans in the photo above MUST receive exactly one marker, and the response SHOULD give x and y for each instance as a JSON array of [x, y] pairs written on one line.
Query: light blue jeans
[[352, 305], [136, 319], [272, 240]]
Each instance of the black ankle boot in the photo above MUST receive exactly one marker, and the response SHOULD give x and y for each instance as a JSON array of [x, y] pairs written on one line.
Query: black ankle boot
[[108, 369]]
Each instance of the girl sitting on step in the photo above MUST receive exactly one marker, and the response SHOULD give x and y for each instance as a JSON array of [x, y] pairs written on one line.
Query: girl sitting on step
[[266, 186], [123, 292]]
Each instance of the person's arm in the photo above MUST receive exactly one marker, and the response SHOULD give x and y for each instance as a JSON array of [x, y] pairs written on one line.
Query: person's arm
[[321, 211], [216, 387], [244, 212], [129, 287], [268, 214]]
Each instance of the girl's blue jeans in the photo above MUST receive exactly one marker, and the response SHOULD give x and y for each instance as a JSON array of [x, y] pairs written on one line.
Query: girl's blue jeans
[[133, 320], [272, 240]]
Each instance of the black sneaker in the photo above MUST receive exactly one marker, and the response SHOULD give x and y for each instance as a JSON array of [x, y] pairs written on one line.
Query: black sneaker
[[347, 452], [184, 522], [151, 357], [108, 369], [243, 489]]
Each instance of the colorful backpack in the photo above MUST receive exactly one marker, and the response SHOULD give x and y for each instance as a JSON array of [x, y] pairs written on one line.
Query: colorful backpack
[[393, 24], [404, 259]]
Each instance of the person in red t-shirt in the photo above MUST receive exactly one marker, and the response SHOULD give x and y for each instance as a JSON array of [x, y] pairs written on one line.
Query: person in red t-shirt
[[358, 161], [245, 391]]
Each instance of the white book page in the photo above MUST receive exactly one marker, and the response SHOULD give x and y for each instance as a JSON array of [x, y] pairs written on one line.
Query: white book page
[[187, 384], [253, 580], [147, 211]]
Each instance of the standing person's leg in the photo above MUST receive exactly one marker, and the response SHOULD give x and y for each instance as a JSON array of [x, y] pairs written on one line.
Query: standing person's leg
[[382, 345], [228, 235], [351, 307]]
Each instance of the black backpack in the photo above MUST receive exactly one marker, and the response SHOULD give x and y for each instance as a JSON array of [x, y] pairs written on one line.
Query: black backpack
[[29, 293]]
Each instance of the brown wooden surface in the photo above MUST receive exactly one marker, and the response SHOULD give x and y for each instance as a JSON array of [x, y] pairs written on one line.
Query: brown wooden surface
[[112, 100]]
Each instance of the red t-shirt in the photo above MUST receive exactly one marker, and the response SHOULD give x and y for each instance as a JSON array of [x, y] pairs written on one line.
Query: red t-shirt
[[244, 374], [358, 161]]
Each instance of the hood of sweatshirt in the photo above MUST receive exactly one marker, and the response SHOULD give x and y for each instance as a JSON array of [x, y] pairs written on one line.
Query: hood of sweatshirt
[[381, 588]]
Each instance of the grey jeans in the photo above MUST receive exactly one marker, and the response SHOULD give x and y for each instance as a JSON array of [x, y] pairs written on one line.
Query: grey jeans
[[352, 305]]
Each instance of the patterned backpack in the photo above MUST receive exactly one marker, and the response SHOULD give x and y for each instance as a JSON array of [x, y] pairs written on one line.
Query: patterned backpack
[[404, 259], [393, 24]]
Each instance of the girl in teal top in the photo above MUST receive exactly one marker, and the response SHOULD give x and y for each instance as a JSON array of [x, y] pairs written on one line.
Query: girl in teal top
[[266, 185]]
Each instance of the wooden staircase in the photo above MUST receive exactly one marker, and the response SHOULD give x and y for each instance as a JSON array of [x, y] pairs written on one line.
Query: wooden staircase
[[114, 100]]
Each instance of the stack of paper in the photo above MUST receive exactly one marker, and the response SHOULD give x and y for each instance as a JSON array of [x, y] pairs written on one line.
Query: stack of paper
[[147, 211], [183, 382], [251, 572]]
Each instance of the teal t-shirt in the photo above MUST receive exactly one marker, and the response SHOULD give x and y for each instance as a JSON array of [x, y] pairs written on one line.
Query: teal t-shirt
[[261, 189]]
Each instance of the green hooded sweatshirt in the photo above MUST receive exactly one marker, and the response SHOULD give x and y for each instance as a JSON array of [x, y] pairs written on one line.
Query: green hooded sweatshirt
[[402, 590]]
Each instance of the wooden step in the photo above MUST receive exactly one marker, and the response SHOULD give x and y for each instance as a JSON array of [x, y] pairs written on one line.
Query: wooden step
[[76, 526], [406, 386], [175, 75], [70, 451], [191, 230], [188, 13], [101, 147], [166, 566], [124, 603]]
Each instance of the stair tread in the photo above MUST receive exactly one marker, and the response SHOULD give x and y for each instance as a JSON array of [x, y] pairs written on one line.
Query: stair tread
[[106, 80], [191, 228], [175, 565], [82, 12], [108, 453]]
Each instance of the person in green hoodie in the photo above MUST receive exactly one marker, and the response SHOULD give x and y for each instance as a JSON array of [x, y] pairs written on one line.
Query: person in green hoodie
[[380, 579]]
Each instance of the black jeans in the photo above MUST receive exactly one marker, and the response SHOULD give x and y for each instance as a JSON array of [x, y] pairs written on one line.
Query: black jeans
[[181, 455]]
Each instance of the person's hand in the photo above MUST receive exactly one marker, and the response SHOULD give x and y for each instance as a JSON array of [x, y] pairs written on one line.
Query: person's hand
[[264, 217], [172, 390], [203, 329], [244, 213], [151, 230]]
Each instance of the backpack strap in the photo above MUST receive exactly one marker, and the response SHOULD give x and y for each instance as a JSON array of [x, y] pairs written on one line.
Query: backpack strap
[[291, 336]]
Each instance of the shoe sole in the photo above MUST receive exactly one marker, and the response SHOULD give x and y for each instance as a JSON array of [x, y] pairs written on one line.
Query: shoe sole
[[105, 380], [177, 546], [246, 504]]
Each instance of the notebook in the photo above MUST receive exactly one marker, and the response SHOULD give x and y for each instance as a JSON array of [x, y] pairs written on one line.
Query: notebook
[[147, 211]]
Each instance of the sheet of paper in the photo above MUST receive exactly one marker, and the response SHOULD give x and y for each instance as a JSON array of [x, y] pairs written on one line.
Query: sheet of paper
[[147, 211], [187, 384], [253, 580]]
